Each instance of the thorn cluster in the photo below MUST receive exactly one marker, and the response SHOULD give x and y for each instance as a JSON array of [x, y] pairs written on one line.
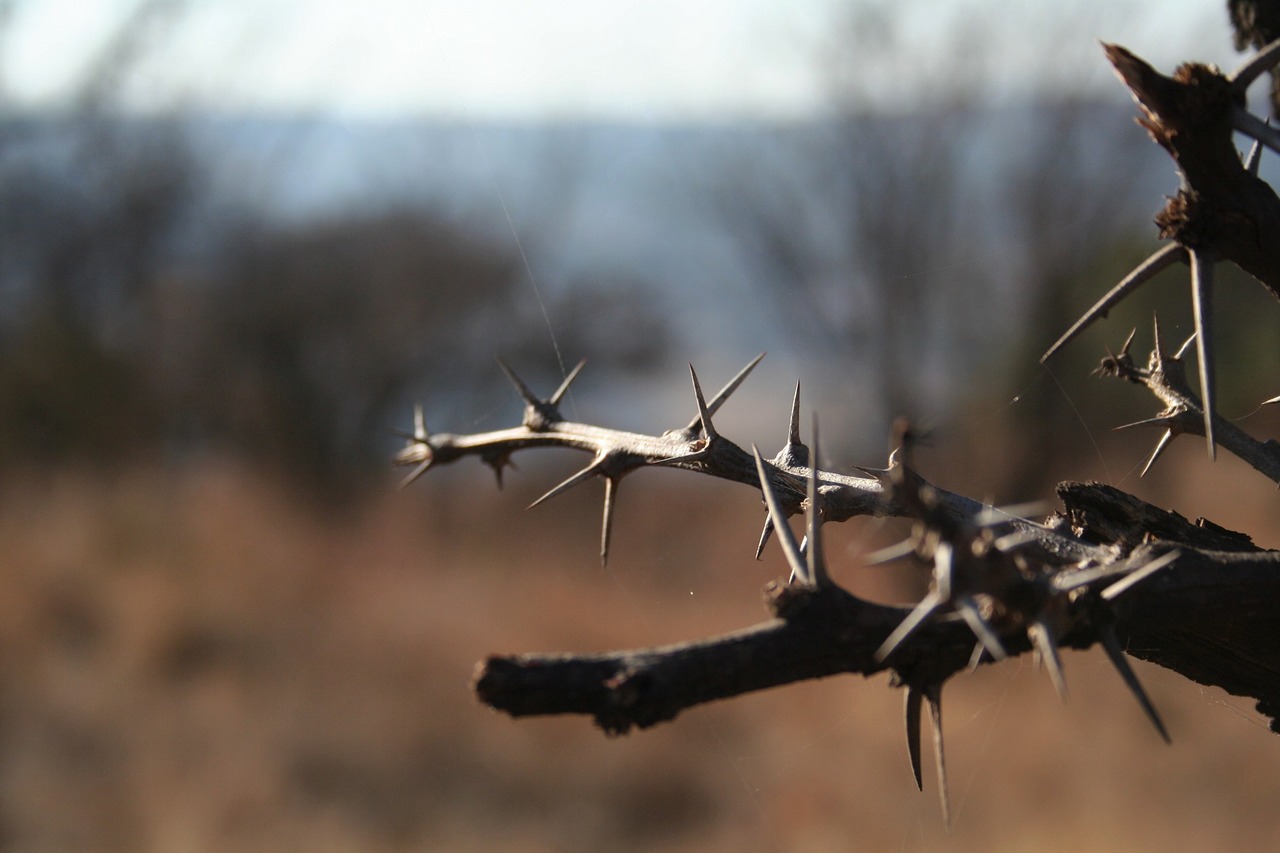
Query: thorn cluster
[[982, 574], [1201, 259]]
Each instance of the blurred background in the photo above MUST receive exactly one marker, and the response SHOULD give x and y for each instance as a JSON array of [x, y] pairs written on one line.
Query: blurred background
[[238, 242]]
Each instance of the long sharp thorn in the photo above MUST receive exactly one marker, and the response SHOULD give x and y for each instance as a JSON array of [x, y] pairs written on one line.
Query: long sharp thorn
[[704, 414], [606, 524], [1186, 345], [890, 553], [419, 424], [564, 386], [1136, 577], [981, 627], [786, 538], [1202, 303], [926, 608], [732, 385], [1251, 125], [1255, 66], [813, 522], [719, 399], [934, 695], [1254, 158], [912, 713], [1133, 333], [1013, 512], [580, 477], [1046, 646], [765, 533], [416, 473], [1165, 441], [1164, 257], [528, 396], [1116, 654], [1155, 332], [793, 429]]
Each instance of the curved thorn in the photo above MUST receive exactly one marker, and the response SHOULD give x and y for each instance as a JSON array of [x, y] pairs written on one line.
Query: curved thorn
[[912, 713], [1136, 577], [528, 396], [1165, 441], [934, 695], [813, 522], [1143, 272], [1202, 304], [1107, 635], [1046, 645], [980, 627], [416, 473], [1250, 125], [606, 525], [765, 533], [1256, 65], [704, 413], [564, 386], [578, 478], [793, 428], [926, 608], [786, 538]]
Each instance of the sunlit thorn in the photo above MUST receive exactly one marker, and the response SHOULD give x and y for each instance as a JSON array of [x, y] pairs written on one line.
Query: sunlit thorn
[[1124, 350], [1161, 445], [908, 626], [1250, 125], [564, 386], [813, 535], [606, 524], [704, 414], [786, 538], [765, 533], [578, 478], [976, 656], [416, 473], [911, 711], [1164, 257], [1014, 541], [719, 399], [890, 553], [1046, 646], [419, 424], [1139, 575], [793, 429], [1202, 305], [1186, 345], [1013, 512], [934, 695], [528, 396], [981, 628], [1111, 644], [1255, 66], [1253, 159]]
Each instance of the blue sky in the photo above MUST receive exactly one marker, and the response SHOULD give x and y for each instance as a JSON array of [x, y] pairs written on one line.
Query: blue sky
[[654, 59]]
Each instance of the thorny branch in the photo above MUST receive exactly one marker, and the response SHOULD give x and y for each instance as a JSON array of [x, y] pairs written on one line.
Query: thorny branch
[[1109, 569], [1222, 211]]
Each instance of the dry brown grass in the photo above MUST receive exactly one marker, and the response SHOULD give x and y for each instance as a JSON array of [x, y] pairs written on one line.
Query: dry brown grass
[[192, 663]]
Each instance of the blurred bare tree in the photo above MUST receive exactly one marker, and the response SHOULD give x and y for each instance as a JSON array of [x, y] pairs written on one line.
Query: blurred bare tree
[[922, 246]]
